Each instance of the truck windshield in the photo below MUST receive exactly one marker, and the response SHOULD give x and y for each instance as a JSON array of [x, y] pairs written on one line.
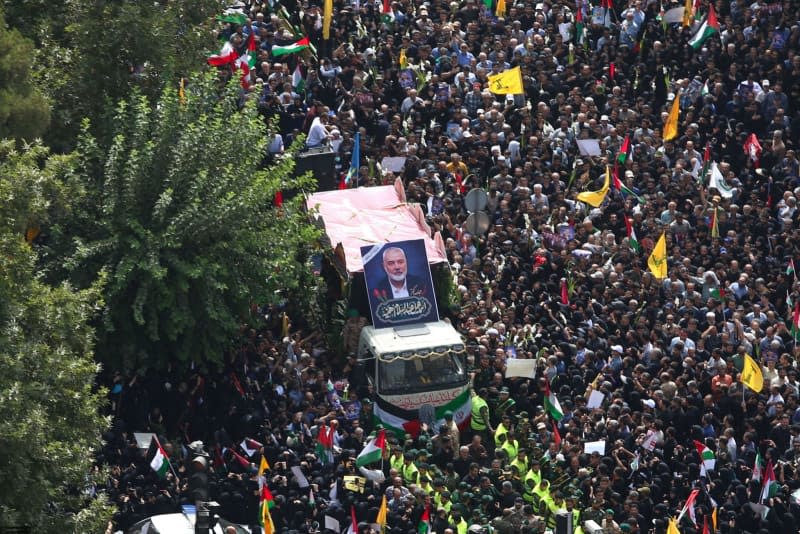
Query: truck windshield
[[398, 375]]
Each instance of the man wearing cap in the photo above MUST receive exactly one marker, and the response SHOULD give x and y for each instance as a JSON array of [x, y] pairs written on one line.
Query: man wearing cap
[[453, 432], [505, 405]]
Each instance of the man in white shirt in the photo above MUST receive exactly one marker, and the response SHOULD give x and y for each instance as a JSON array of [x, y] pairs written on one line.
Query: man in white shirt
[[318, 133]]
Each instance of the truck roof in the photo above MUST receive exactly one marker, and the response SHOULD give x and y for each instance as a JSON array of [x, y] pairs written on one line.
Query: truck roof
[[388, 340], [373, 215]]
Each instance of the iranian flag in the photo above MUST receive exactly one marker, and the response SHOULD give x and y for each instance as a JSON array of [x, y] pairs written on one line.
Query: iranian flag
[[625, 150], [373, 451], [160, 461], [633, 242], [294, 48], [707, 458], [709, 27], [551, 404], [758, 467], [401, 421], [226, 56], [425, 521], [770, 486], [718, 293]]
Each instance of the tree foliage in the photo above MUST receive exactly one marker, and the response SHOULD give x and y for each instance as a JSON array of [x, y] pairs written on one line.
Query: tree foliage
[[24, 111], [183, 226], [50, 420], [101, 50]]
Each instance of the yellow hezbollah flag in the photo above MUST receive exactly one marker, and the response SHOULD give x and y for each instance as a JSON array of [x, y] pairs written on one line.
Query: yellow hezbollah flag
[[327, 16], [657, 262], [500, 10], [671, 126], [672, 528], [751, 374], [595, 198], [403, 60], [507, 83], [381, 519], [263, 466], [687, 13]]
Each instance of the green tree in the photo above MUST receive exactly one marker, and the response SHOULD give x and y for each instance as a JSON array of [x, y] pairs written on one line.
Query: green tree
[[50, 422], [101, 50], [24, 111], [184, 228]]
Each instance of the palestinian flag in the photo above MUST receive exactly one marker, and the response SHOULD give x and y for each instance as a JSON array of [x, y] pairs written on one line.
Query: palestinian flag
[[353, 528], [387, 15], [718, 293], [709, 27], [250, 446], [796, 322], [267, 502], [556, 435], [633, 242], [689, 506], [770, 486], [226, 56], [424, 525], [790, 268], [626, 150], [551, 404], [707, 458], [623, 189], [579, 29], [160, 461], [241, 459], [758, 467], [324, 447], [401, 421], [294, 48], [298, 82], [373, 451]]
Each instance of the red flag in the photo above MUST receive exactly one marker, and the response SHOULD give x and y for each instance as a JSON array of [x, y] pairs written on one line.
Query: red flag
[[753, 149], [353, 523], [342, 183], [226, 56], [241, 459], [278, 198], [460, 184], [705, 525], [612, 70], [237, 385], [564, 292], [615, 178], [387, 7], [556, 434]]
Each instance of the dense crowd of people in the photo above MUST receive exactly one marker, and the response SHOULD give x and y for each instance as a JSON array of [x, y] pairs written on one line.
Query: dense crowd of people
[[553, 278]]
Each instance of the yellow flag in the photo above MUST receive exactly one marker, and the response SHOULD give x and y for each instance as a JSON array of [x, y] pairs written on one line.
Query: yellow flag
[[263, 466], [381, 519], [507, 83], [403, 60], [595, 198], [751, 374], [327, 16], [671, 126], [182, 91], [284, 325], [688, 13], [714, 519], [672, 528], [500, 10], [657, 262]]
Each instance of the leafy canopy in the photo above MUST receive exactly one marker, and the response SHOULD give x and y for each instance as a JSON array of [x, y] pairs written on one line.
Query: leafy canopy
[[50, 420], [182, 223]]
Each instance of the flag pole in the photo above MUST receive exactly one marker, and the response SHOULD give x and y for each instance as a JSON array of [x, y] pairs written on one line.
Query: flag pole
[[158, 444]]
